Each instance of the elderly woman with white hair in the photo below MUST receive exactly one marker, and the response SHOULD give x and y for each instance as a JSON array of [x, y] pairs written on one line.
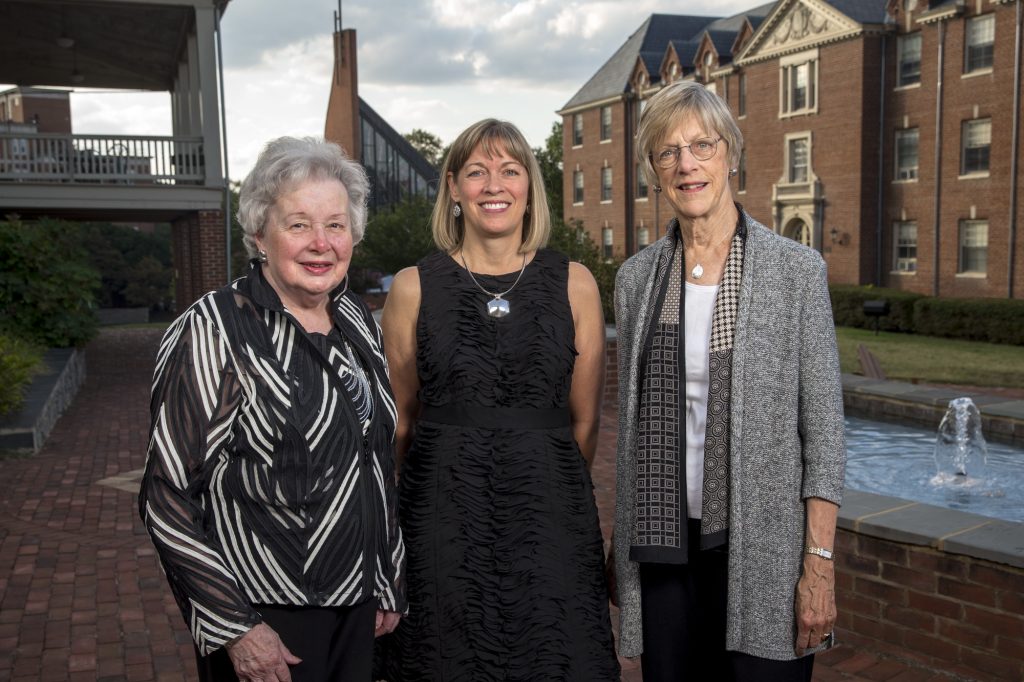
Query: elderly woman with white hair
[[730, 443], [269, 488]]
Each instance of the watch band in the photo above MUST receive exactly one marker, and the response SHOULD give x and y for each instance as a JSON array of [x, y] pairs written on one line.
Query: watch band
[[822, 552]]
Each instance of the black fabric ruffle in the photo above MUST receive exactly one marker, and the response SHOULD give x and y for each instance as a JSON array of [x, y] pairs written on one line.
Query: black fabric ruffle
[[504, 551]]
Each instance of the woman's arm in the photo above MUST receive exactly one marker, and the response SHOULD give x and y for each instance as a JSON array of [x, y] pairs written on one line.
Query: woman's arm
[[824, 458], [588, 374], [398, 324], [195, 397]]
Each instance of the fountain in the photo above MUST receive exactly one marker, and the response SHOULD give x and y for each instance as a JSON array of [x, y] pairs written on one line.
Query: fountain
[[961, 454]]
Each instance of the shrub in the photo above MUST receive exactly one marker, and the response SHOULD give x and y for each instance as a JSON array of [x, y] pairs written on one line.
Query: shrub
[[578, 246], [994, 320], [47, 287], [848, 307], [19, 360]]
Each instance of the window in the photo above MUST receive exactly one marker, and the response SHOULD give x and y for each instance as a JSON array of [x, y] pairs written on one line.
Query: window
[[606, 184], [799, 83], [577, 130], [981, 38], [976, 141], [798, 159], [607, 242], [606, 123], [904, 252], [973, 246], [741, 172], [741, 101], [641, 183], [908, 51], [577, 187], [643, 237], [906, 154]]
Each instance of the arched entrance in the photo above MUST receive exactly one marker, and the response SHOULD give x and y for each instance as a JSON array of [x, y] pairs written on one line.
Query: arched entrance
[[798, 231]]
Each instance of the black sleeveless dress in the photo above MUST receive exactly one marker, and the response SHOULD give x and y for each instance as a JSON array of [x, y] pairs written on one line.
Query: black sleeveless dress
[[505, 566]]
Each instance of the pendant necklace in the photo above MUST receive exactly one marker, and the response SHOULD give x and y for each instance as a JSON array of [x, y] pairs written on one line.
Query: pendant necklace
[[497, 306], [698, 270]]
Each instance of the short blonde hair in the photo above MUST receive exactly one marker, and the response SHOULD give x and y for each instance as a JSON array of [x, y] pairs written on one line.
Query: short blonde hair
[[667, 110], [287, 162], [494, 137]]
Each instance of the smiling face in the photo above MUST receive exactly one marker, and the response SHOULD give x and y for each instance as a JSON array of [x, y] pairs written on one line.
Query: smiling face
[[493, 192], [308, 242], [697, 190]]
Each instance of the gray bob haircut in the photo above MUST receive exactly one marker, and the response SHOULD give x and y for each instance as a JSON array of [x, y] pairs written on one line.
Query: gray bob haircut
[[288, 162], [493, 137], [670, 107]]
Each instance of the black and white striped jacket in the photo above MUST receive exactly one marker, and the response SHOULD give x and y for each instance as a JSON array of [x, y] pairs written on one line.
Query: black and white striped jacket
[[262, 486]]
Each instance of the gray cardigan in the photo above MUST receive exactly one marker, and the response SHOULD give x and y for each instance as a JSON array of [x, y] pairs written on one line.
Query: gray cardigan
[[786, 433]]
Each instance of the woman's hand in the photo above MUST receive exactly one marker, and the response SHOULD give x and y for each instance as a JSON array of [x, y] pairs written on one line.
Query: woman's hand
[[260, 656], [815, 603], [386, 622]]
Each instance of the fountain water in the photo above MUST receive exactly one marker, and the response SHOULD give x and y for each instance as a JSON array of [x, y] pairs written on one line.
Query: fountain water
[[961, 454]]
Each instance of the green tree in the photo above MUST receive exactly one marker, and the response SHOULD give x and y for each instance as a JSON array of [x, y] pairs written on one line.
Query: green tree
[[428, 144], [550, 159], [47, 285], [571, 239], [397, 238]]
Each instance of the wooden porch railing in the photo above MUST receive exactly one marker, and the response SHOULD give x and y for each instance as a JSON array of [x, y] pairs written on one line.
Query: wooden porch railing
[[105, 159]]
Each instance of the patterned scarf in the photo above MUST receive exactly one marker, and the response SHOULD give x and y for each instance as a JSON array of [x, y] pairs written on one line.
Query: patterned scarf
[[660, 530]]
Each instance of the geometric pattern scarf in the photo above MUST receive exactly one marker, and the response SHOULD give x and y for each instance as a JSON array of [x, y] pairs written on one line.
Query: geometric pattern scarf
[[660, 527]]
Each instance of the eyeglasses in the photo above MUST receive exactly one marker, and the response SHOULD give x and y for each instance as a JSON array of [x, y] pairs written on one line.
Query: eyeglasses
[[702, 150]]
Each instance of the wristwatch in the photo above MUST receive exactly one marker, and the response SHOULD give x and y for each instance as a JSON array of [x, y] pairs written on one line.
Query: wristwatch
[[821, 551]]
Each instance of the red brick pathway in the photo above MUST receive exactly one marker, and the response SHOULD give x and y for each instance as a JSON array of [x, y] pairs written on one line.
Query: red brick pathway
[[81, 593]]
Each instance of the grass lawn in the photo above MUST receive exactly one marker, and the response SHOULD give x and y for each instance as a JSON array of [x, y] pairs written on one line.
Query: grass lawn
[[929, 359]]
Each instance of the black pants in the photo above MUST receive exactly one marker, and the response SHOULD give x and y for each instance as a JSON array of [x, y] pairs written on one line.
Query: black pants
[[334, 643], [684, 610]]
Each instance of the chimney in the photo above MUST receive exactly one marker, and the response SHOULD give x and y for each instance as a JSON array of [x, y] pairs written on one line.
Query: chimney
[[342, 124]]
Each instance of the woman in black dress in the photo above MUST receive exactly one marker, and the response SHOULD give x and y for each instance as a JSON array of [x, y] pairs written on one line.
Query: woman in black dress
[[496, 352]]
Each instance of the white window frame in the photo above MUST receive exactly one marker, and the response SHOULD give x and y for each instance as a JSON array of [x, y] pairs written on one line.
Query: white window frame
[[901, 43], [973, 234], [974, 25], [577, 130], [606, 185], [965, 137], [907, 173], [578, 188], [607, 242], [606, 127], [788, 67], [904, 236], [641, 182], [788, 167]]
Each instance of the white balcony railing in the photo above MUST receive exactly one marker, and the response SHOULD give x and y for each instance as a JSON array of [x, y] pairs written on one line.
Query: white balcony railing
[[103, 159]]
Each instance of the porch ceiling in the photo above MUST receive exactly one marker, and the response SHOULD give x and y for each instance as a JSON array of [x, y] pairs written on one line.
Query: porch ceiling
[[124, 45]]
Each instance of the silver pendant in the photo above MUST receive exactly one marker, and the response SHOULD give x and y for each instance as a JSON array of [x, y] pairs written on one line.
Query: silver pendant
[[697, 272], [498, 307]]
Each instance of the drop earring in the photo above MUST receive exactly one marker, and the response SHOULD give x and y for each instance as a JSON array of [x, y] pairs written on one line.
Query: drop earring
[[261, 256], [457, 210]]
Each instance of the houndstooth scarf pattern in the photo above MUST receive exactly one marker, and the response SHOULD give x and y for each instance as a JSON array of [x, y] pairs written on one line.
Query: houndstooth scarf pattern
[[660, 528]]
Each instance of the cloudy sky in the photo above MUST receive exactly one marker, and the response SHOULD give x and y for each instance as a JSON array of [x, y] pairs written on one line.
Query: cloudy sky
[[439, 65]]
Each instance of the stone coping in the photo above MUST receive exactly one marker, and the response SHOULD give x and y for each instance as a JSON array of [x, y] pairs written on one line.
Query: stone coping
[[946, 530], [47, 396]]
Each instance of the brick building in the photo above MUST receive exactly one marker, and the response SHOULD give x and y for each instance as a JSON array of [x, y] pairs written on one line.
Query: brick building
[[883, 134]]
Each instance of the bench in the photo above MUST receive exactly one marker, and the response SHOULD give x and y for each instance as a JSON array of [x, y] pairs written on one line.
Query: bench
[[869, 365]]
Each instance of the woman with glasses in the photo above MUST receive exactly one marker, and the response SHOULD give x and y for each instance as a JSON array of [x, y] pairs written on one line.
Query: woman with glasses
[[730, 446]]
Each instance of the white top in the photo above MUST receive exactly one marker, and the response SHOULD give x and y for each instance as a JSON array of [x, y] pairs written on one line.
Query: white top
[[699, 309]]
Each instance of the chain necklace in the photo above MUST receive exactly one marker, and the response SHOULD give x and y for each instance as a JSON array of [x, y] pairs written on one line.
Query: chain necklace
[[497, 306], [698, 270]]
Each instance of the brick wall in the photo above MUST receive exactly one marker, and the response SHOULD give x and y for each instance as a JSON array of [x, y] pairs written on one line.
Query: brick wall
[[956, 613], [198, 252]]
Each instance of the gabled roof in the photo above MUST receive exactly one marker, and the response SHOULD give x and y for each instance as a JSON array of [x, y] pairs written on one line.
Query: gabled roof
[[863, 11], [649, 44]]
